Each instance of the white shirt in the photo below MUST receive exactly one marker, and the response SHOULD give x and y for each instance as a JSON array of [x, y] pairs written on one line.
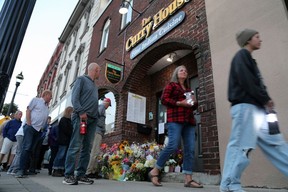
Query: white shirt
[[39, 113], [20, 130]]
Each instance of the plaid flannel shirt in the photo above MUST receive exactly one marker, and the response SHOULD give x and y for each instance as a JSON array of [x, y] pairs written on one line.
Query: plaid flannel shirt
[[172, 93]]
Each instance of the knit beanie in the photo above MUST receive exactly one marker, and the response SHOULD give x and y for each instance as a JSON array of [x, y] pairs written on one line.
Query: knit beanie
[[243, 36]]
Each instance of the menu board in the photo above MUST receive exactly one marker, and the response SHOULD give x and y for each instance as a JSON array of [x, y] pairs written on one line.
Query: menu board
[[136, 108]]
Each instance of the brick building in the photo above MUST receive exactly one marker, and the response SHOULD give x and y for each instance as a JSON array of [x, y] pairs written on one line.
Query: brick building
[[176, 28], [49, 75]]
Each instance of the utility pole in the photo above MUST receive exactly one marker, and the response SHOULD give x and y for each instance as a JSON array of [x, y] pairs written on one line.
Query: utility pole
[[14, 19]]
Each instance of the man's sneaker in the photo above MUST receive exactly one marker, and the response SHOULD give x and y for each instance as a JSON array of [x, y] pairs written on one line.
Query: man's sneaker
[[70, 180], [85, 180]]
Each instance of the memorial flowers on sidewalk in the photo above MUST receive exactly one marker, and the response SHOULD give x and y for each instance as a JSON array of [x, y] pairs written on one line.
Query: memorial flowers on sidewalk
[[126, 162]]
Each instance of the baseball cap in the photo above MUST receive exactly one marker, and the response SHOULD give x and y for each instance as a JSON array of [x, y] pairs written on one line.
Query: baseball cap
[[107, 100]]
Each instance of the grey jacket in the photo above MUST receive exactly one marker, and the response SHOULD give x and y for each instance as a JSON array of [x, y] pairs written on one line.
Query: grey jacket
[[85, 97]]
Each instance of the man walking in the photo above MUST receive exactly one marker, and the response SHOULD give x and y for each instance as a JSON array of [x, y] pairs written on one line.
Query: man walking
[[249, 103]]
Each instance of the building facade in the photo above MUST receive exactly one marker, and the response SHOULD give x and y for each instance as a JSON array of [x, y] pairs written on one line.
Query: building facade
[[133, 49], [133, 57], [49, 75]]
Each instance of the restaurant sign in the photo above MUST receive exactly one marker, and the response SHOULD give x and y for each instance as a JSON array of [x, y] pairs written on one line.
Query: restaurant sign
[[167, 27], [113, 73], [149, 26]]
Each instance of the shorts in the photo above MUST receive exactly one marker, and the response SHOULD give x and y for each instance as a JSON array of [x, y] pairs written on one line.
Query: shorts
[[8, 145]]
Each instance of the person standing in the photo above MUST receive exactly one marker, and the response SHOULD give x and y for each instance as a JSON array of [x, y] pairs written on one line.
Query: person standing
[[14, 167], [180, 123], [4, 121], [53, 144], [65, 129], [250, 103], [85, 103], [10, 142], [37, 158], [36, 117], [100, 130], [44, 146]]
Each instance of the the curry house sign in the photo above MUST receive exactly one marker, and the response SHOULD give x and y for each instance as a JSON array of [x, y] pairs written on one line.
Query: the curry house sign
[[149, 25], [113, 73]]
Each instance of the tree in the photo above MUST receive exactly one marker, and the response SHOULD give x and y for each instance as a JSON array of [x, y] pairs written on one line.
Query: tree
[[6, 107]]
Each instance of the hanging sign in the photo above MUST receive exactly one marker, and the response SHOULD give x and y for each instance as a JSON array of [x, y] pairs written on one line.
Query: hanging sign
[[113, 73]]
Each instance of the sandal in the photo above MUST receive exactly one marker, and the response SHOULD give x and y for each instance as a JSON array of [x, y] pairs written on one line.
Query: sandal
[[156, 183], [193, 184]]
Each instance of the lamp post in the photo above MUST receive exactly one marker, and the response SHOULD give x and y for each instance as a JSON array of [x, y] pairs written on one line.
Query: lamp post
[[14, 19], [19, 79]]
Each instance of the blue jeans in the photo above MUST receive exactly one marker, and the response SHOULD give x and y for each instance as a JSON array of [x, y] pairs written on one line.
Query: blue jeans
[[30, 138], [250, 128], [83, 142], [175, 132], [59, 161], [275, 149], [14, 167]]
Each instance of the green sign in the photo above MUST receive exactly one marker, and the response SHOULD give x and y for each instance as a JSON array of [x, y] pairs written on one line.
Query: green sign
[[113, 73]]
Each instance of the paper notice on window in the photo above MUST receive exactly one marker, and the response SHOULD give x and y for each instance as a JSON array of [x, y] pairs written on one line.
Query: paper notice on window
[[161, 128], [136, 108]]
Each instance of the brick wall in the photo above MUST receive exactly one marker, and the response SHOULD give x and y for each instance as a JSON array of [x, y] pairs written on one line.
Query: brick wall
[[191, 34]]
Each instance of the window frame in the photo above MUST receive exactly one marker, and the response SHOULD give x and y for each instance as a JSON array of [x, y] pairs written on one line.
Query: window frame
[[105, 35]]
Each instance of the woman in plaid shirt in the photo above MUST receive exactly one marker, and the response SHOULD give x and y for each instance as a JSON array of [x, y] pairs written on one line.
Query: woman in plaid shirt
[[180, 124]]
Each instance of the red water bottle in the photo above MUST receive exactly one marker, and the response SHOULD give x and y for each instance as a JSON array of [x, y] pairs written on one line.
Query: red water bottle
[[83, 127]]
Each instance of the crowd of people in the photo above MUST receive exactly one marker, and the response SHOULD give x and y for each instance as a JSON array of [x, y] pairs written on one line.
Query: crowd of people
[[68, 148]]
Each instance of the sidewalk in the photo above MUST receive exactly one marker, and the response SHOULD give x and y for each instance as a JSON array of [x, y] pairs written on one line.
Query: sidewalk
[[44, 183]]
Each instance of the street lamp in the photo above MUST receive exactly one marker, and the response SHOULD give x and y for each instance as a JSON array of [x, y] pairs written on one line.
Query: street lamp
[[124, 7], [19, 79]]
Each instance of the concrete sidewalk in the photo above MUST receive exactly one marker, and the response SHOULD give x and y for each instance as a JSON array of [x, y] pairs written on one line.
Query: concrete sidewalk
[[44, 183]]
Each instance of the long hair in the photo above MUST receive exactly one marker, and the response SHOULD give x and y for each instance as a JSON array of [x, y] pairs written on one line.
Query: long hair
[[67, 112], [174, 77]]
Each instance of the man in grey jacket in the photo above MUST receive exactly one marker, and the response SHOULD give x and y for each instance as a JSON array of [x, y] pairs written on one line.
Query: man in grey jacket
[[85, 103], [92, 170]]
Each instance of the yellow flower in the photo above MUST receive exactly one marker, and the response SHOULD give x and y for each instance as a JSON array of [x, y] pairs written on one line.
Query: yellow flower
[[122, 147], [126, 143]]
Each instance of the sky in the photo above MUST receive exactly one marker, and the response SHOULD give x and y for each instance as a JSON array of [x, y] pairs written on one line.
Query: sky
[[47, 23]]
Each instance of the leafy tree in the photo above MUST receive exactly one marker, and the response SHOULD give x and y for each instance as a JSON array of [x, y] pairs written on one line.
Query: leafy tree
[[6, 107]]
